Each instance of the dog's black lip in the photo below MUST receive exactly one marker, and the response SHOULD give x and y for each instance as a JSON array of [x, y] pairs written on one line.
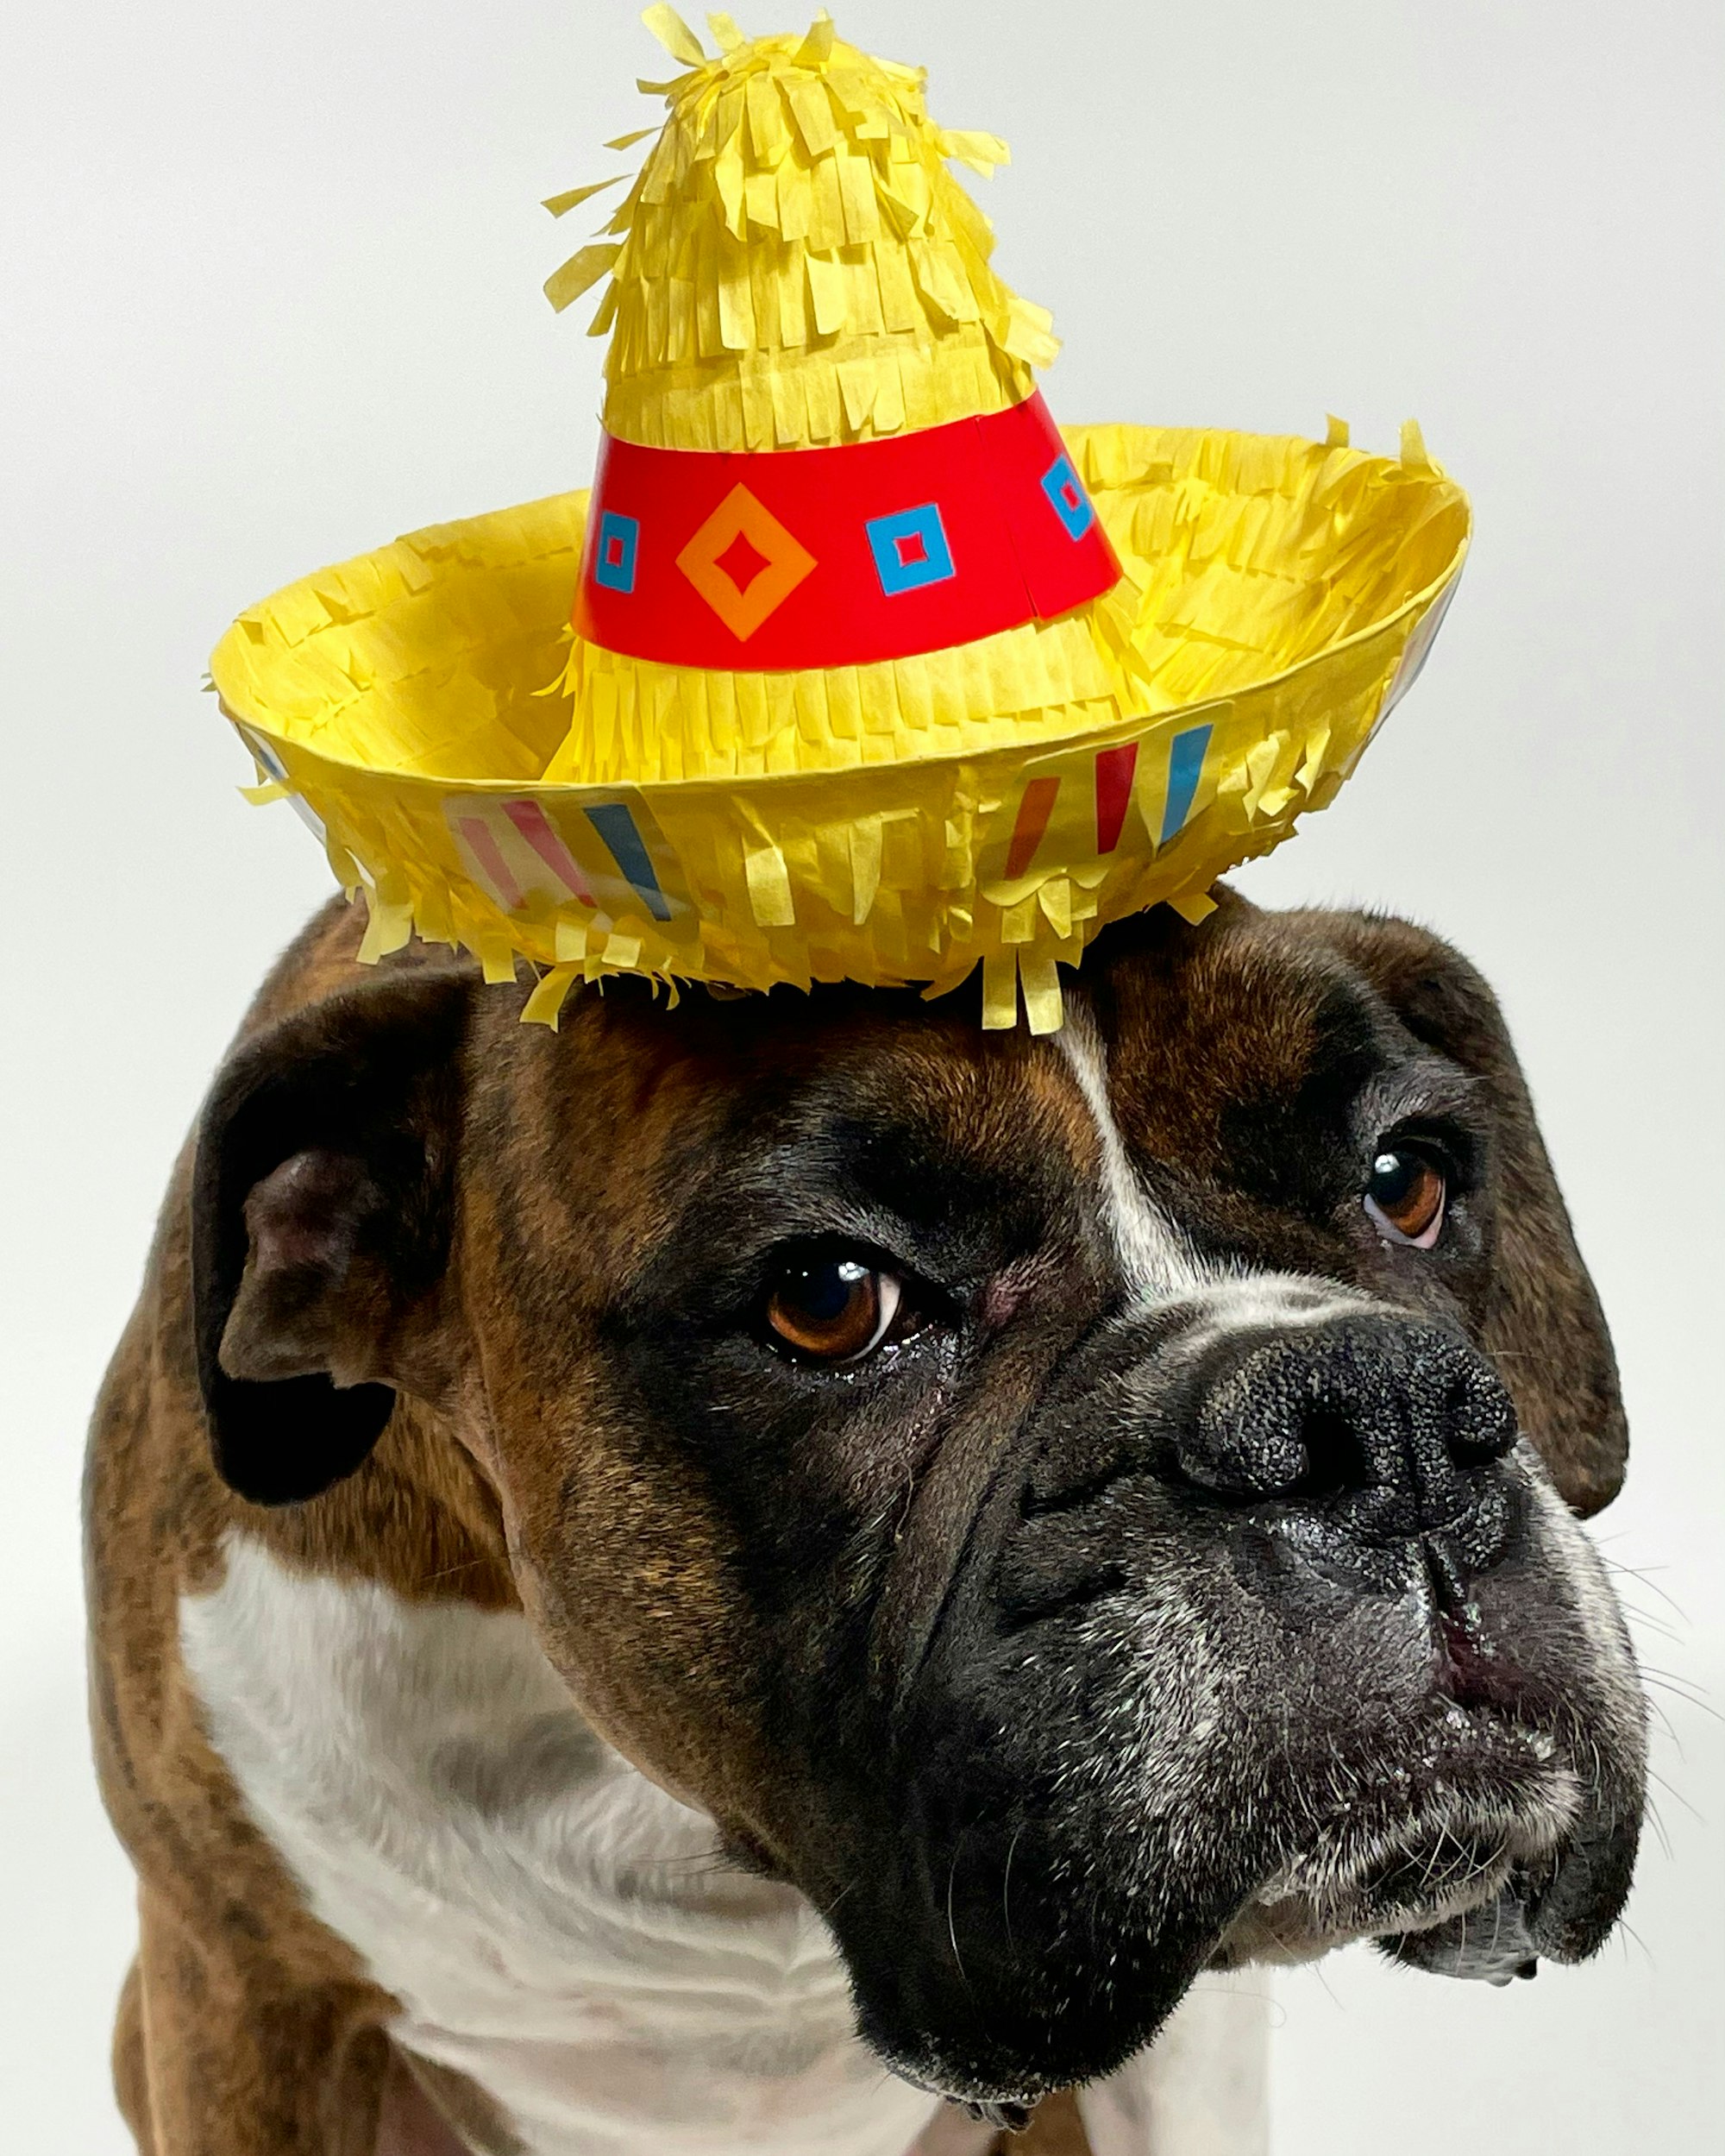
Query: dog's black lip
[[1009, 2111], [1010, 2118], [1565, 1905], [1464, 1947]]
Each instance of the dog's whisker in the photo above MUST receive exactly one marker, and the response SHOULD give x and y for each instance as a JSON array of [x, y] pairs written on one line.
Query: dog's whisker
[[827, 1908], [1680, 1689], [1643, 1573], [1657, 1710], [1007, 1888], [1652, 1818], [1677, 1796], [951, 1927]]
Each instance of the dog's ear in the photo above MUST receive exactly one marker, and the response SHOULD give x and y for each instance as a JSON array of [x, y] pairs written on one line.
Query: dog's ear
[[1545, 1327], [321, 1201]]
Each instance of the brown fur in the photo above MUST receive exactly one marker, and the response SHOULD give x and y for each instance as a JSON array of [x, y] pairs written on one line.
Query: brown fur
[[244, 2023]]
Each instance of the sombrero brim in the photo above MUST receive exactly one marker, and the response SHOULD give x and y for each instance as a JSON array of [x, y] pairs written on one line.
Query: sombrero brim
[[1279, 596]]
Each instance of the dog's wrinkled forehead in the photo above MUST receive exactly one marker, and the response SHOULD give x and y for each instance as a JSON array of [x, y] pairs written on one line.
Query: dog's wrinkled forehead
[[1208, 1083]]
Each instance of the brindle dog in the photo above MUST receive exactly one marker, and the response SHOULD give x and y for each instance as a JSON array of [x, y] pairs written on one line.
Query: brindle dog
[[1073, 1512]]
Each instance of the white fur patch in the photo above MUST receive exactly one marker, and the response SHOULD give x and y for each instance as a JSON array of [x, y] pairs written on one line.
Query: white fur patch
[[1204, 2090], [560, 1931], [554, 1925]]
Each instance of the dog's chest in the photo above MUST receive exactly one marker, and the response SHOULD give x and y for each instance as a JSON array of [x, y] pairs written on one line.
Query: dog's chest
[[556, 1928]]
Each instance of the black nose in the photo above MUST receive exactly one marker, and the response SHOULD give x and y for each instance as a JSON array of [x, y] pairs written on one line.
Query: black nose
[[1386, 1423]]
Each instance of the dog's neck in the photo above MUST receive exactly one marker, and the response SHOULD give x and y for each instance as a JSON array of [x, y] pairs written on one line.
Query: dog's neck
[[559, 1930]]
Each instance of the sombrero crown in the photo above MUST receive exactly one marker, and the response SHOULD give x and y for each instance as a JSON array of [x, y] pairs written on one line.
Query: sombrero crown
[[872, 673]]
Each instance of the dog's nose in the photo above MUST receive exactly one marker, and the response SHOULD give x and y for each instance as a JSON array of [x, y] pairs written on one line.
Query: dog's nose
[[1383, 1423]]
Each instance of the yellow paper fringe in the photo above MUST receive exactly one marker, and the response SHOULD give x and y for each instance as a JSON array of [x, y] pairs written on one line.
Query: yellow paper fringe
[[794, 264], [1278, 596], [1233, 546]]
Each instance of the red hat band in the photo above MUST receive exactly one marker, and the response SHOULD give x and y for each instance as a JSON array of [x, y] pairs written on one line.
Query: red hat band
[[783, 560]]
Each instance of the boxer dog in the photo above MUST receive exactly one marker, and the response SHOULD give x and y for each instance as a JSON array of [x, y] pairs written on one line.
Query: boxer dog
[[719, 1578]]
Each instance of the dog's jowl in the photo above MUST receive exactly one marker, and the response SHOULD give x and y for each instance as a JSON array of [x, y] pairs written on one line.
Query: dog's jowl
[[714, 1579]]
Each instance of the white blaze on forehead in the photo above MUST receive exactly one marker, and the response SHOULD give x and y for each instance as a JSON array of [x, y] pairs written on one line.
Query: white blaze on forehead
[[1155, 1257]]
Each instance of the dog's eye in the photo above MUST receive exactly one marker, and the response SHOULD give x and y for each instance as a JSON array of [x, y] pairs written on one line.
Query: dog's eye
[[833, 1308], [1406, 1196]]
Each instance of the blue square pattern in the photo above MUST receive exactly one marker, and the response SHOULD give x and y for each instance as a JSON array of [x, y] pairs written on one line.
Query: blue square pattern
[[909, 549], [1071, 504], [614, 551]]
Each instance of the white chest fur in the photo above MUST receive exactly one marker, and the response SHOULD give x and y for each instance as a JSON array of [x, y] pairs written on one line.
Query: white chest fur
[[560, 1931], [555, 1926]]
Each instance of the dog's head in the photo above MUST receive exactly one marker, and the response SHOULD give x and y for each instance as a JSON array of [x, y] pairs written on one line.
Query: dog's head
[[1083, 1509]]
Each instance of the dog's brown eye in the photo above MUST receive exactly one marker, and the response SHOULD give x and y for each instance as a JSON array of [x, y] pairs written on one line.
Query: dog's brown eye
[[1406, 1196], [833, 1310]]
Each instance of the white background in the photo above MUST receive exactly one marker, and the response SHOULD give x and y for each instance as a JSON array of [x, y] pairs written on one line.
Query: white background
[[270, 293]]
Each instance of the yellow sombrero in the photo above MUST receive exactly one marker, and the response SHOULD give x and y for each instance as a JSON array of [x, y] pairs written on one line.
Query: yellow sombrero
[[849, 665]]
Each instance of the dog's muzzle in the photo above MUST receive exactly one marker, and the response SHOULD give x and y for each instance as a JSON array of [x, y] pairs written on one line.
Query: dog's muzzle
[[1368, 1442], [1268, 1634]]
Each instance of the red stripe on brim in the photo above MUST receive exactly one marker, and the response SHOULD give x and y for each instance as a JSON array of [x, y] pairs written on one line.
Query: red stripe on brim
[[1114, 769], [531, 820], [1034, 811]]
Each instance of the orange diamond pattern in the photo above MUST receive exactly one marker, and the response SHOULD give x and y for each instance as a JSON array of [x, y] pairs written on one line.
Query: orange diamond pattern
[[787, 562]]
